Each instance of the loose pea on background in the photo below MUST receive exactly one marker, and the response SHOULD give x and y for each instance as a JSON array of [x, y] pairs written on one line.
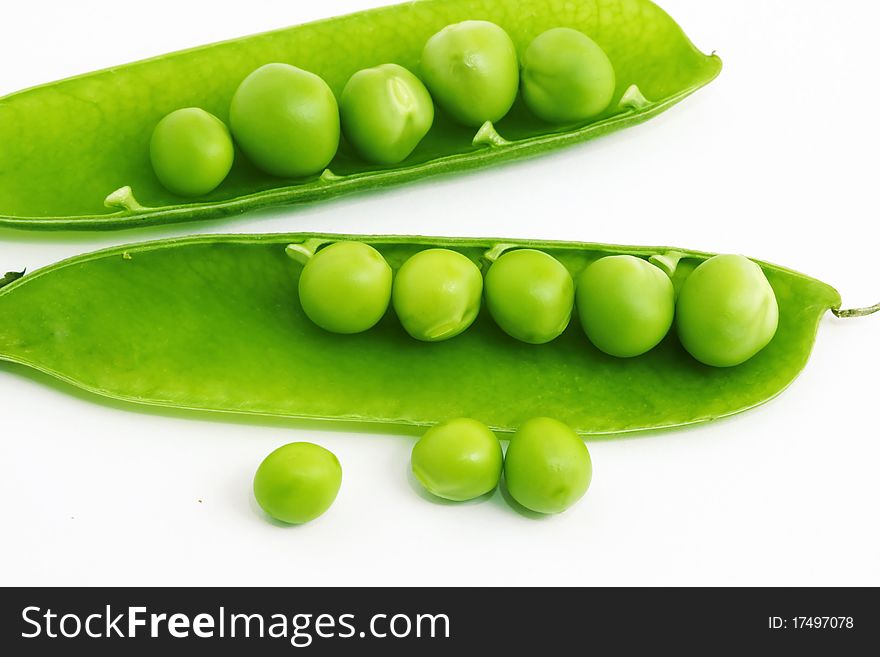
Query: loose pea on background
[[458, 460], [547, 467], [297, 482]]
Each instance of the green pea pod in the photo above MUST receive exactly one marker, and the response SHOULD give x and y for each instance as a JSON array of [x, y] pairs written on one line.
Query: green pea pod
[[214, 323], [75, 153]]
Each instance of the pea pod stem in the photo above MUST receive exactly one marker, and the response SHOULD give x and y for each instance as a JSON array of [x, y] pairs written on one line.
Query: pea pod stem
[[123, 199], [303, 251], [496, 251], [846, 313], [487, 135], [668, 261], [633, 99], [327, 176]]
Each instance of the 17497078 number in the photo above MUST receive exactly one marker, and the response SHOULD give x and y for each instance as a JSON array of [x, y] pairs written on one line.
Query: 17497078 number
[[811, 623]]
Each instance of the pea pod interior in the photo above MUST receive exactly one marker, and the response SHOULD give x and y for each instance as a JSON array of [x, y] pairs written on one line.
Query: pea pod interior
[[68, 146], [214, 323]]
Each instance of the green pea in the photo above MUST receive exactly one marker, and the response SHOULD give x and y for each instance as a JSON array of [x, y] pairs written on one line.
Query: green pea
[[436, 294], [566, 76], [726, 311], [625, 305], [530, 295], [191, 151], [472, 72], [297, 482], [458, 460], [547, 467], [285, 120], [385, 111], [345, 287]]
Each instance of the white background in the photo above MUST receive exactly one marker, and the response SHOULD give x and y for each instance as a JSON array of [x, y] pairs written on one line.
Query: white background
[[775, 159]]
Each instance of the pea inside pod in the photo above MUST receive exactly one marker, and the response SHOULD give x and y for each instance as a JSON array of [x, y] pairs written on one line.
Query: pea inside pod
[[436, 294], [472, 70], [345, 287], [191, 151], [386, 111], [566, 76], [238, 342], [94, 157], [530, 295], [727, 311], [625, 304], [286, 120]]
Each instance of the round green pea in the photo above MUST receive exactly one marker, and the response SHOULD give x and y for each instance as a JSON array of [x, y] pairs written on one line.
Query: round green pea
[[472, 71], [458, 460], [385, 111], [625, 305], [345, 287], [547, 467], [285, 120], [191, 151], [436, 294], [297, 482], [726, 311], [530, 295], [566, 76]]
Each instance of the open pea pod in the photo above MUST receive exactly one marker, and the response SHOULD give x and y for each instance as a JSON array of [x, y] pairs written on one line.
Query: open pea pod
[[75, 153], [214, 323]]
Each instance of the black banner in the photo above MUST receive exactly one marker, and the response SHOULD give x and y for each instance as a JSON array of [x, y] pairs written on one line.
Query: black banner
[[323, 621]]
